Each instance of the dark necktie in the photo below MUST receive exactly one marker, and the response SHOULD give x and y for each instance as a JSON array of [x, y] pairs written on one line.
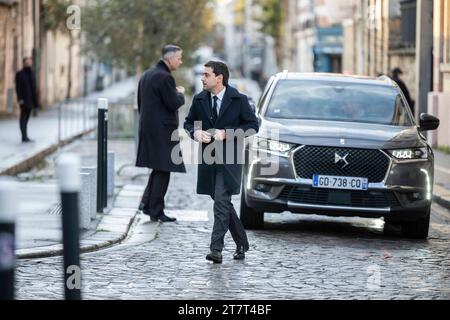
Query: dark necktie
[[214, 109]]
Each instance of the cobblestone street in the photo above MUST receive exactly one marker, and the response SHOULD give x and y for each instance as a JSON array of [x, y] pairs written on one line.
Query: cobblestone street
[[295, 257], [335, 112]]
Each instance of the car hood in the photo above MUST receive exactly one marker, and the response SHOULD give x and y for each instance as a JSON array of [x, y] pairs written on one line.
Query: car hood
[[341, 134]]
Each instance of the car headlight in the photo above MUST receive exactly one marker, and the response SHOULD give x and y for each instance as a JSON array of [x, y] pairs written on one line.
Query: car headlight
[[409, 154], [272, 145]]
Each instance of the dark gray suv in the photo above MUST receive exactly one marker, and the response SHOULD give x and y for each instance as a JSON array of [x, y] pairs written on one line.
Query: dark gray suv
[[339, 146]]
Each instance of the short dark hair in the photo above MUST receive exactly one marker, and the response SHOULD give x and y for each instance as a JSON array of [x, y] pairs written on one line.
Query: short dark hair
[[170, 48], [219, 68]]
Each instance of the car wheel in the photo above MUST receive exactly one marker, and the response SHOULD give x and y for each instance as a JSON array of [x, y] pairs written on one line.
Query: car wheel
[[251, 219], [417, 229]]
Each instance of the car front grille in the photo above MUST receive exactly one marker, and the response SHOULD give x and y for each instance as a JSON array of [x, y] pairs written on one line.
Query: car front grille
[[364, 199], [363, 163]]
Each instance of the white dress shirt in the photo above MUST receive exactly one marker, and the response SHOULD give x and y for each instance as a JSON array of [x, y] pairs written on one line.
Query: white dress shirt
[[219, 100]]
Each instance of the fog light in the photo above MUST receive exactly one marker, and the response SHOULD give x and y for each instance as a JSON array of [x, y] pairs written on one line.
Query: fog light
[[262, 187], [416, 196]]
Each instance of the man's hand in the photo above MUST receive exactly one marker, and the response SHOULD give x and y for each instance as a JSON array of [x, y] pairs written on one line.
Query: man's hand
[[202, 136], [181, 89], [220, 135], [21, 102]]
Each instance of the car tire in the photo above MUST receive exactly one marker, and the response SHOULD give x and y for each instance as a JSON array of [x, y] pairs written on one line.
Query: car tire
[[417, 229], [250, 218]]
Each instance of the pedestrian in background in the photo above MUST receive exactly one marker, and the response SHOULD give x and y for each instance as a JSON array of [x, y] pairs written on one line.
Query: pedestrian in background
[[219, 107], [26, 95], [396, 72], [158, 102]]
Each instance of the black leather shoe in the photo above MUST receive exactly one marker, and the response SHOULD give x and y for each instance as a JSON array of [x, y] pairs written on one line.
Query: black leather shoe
[[164, 218], [239, 254], [141, 206], [215, 257], [153, 219]]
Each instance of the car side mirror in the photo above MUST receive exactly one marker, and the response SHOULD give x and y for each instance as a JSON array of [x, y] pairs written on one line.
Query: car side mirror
[[428, 122]]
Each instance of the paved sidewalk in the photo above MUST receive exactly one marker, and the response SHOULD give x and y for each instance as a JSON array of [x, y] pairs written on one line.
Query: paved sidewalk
[[43, 129], [441, 193], [39, 223]]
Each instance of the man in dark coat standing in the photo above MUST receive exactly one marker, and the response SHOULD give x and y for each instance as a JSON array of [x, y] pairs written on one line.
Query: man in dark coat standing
[[158, 102], [26, 95], [396, 77], [216, 115]]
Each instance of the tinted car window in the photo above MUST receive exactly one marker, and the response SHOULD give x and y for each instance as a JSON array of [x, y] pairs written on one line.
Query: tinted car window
[[336, 101]]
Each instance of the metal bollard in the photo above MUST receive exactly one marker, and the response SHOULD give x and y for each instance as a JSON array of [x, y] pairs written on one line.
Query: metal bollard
[[8, 211], [136, 128], [102, 150], [111, 163], [69, 184]]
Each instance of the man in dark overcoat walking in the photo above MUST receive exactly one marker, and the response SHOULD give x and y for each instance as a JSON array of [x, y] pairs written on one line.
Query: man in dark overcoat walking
[[158, 102], [26, 95], [215, 117]]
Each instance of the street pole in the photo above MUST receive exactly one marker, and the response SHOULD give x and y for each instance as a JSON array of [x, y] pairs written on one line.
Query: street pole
[[69, 185], [424, 55], [105, 158], [247, 38], [136, 128], [102, 154], [8, 211]]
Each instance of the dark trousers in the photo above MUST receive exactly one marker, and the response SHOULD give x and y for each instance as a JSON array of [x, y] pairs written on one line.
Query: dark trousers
[[225, 218], [23, 121], [153, 198]]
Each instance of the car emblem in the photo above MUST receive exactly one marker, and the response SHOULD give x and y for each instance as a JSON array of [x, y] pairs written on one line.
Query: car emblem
[[343, 142], [338, 158]]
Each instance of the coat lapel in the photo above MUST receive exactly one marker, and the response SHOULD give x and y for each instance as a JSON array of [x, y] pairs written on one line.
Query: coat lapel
[[206, 103], [227, 99]]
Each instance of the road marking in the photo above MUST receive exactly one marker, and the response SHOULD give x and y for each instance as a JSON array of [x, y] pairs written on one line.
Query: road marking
[[188, 215], [442, 169]]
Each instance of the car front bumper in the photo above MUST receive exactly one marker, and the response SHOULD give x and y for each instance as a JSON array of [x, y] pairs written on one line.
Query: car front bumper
[[272, 185]]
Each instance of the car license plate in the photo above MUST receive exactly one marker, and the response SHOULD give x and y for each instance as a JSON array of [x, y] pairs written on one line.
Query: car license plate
[[342, 183]]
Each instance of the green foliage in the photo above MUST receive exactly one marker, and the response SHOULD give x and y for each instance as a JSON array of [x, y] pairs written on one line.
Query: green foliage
[[131, 33], [271, 18], [55, 15]]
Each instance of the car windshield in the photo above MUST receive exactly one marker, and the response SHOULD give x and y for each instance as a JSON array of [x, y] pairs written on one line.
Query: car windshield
[[336, 101]]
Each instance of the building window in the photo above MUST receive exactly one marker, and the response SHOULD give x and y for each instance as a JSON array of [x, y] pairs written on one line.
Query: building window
[[402, 24], [408, 10]]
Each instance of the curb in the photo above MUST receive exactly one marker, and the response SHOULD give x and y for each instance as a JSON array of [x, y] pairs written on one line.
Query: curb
[[442, 201], [31, 162], [57, 250]]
